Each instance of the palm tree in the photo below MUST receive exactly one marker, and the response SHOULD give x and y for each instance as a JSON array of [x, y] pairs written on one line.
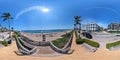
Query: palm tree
[[74, 26], [7, 17], [78, 21]]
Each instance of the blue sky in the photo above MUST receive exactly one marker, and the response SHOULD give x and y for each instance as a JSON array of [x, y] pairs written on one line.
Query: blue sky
[[28, 14]]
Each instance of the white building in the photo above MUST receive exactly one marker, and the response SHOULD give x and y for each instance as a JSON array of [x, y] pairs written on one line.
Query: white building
[[114, 27], [91, 27]]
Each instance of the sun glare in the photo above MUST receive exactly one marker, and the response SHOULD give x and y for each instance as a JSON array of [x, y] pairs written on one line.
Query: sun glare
[[45, 10]]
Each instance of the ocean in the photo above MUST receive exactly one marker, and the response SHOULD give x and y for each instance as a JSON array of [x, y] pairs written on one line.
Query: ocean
[[45, 31]]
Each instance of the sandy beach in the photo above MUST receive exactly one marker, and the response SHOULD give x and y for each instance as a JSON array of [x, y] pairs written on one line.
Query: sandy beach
[[7, 53], [49, 37]]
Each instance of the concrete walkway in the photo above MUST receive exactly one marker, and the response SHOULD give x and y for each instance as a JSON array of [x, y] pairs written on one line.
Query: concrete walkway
[[103, 38], [45, 51]]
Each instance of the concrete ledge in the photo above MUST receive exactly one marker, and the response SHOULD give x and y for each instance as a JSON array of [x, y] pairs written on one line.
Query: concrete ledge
[[114, 48], [89, 48]]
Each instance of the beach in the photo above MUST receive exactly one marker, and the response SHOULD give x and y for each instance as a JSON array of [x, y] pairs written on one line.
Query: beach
[[49, 36], [80, 53]]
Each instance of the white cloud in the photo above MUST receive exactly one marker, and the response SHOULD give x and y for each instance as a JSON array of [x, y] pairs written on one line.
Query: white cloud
[[39, 8]]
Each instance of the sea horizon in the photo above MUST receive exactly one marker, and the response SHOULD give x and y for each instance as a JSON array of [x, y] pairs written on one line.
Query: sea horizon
[[45, 31]]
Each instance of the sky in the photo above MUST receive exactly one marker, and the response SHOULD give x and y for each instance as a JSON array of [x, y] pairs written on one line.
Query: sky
[[29, 14]]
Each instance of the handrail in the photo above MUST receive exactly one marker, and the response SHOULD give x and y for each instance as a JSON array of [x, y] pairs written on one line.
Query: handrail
[[68, 43], [25, 43], [24, 50], [32, 42]]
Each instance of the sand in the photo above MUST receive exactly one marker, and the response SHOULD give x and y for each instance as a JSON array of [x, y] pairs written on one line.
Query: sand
[[49, 37], [80, 53]]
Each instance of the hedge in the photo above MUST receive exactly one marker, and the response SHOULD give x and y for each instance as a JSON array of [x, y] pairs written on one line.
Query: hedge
[[109, 45], [92, 43], [79, 41], [89, 42]]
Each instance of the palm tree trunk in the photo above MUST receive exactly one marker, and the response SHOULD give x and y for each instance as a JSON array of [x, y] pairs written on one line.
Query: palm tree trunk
[[80, 27], [74, 26], [9, 28], [79, 31]]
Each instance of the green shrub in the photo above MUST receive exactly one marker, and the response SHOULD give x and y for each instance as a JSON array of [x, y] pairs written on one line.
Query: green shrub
[[16, 33], [113, 31], [1, 42], [108, 45], [79, 41], [5, 43], [67, 35], [92, 43]]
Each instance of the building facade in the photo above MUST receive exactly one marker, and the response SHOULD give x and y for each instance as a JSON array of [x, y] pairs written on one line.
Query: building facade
[[114, 27], [91, 27]]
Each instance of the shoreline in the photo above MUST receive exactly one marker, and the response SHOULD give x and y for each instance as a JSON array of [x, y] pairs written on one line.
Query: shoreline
[[47, 31]]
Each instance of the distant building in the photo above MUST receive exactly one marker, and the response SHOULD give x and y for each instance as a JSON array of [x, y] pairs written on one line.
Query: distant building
[[91, 27], [101, 28], [114, 27]]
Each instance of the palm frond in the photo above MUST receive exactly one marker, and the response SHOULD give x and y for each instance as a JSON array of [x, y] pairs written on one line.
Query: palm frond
[[4, 19], [11, 18], [3, 16], [4, 13]]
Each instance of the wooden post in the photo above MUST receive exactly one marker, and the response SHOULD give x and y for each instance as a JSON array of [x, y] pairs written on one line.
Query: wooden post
[[44, 37]]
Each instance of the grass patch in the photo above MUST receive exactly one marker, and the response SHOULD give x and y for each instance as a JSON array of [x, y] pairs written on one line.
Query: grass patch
[[16, 34], [61, 42], [109, 45], [67, 35]]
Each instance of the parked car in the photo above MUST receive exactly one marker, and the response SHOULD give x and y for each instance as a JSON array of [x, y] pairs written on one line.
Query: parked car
[[87, 35]]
